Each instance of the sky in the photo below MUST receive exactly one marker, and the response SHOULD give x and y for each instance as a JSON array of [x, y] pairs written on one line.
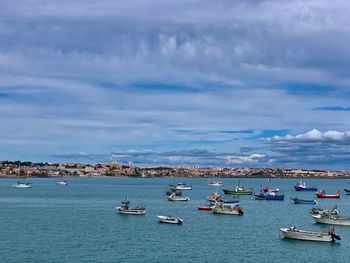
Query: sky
[[232, 83]]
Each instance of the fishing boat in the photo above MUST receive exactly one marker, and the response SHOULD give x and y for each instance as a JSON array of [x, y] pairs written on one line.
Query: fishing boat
[[318, 210], [125, 209], [174, 197], [326, 218], [170, 220], [347, 191], [182, 186], [301, 186], [173, 190], [294, 233], [238, 190], [216, 183], [269, 196], [267, 189], [220, 208], [205, 208], [322, 194], [214, 197], [22, 185], [297, 200]]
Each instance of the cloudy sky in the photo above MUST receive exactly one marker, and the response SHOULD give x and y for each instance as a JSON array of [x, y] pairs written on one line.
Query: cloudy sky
[[233, 83]]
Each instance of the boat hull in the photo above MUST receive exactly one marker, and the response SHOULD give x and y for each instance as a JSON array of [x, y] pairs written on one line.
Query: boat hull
[[170, 220], [178, 198], [304, 202], [306, 235], [321, 195], [305, 189], [237, 192], [205, 208], [333, 220], [131, 211], [22, 186]]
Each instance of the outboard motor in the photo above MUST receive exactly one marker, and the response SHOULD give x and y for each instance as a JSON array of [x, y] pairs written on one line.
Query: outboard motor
[[240, 211], [334, 235]]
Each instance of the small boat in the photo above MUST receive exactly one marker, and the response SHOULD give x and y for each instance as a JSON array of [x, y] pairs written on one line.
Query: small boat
[[294, 233], [322, 194], [173, 190], [301, 186], [326, 218], [170, 220], [266, 189], [22, 185], [220, 208], [182, 186], [125, 209], [205, 208], [318, 210], [214, 197], [269, 196], [216, 183], [63, 182], [174, 197], [347, 191], [297, 200], [238, 190]]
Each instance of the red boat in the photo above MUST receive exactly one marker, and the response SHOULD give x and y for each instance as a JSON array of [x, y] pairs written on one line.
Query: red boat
[[205, 208], [322, 194], [267, 190]]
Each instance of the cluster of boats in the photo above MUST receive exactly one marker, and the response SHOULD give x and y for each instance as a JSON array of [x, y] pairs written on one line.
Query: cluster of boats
[[229, 204], [26, 185]]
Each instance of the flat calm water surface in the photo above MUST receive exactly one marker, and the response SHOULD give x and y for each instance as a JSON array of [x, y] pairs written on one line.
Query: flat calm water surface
[[78, 223]]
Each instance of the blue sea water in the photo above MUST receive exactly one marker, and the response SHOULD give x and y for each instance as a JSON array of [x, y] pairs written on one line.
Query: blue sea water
[[78, 223]]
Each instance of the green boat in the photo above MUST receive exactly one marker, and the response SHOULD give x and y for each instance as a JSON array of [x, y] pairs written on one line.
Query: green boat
[[238, 190]]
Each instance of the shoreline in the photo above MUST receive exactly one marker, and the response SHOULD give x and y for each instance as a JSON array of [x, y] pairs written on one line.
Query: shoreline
[[153, 177]]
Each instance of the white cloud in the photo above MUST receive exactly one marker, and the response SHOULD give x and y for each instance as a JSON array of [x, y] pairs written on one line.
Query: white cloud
[[314, 135]]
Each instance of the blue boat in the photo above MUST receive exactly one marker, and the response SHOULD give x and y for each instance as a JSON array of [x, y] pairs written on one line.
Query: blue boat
[[300, 186], [269, 196], [171, 191], [297, 200]]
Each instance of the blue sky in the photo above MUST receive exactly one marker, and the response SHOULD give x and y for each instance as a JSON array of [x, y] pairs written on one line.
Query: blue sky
[[225, 83]]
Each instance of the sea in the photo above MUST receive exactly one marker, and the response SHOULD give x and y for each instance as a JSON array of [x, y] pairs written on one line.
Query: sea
[[79, 223]]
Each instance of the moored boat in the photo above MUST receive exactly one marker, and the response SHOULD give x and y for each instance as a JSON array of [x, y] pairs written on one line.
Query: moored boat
[[326, 218], [173, 190], [301, 186], [63, 182], [238, 190], [269, 196], [297, 200], [182, 186], [294, 233], [216, 183], [322, 194], [220, 208], [174, 197], [205, 208], [318, 210], [22, 185], [125, 209], [267, 189], [170, 220], [347, 191]]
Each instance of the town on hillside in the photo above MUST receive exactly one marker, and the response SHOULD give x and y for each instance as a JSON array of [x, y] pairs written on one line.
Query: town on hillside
[[29, 169]]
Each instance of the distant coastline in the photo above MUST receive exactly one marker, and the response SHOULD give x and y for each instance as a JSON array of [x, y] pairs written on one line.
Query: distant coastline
[[15, 169]]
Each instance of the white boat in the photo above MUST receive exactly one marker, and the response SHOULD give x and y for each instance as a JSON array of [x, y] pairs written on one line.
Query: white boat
[[63, 182], [216, 183], [294, 233], [170, 220], [174, 197], [326, 218], [22, 185], [220, 208], [318, 210], [182, 186], [125, 209]]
